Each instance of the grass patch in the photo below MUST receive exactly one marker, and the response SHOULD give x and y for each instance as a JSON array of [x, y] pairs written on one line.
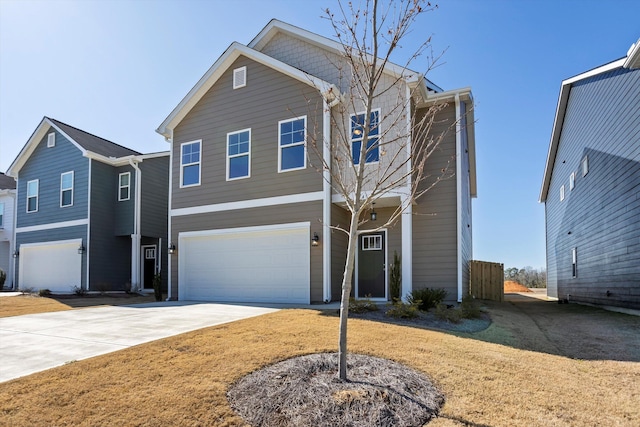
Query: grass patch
[[189, 375]]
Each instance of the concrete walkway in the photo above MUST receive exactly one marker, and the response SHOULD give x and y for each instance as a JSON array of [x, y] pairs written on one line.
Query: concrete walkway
[[36, 342]]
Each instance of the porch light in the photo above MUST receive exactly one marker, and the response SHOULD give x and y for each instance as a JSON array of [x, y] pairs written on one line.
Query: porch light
[[374, 215], [80, 249], [172, 249], [16, 253], [315, 239]]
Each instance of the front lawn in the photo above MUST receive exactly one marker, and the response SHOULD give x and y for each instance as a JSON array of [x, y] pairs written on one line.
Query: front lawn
[[183, 380]]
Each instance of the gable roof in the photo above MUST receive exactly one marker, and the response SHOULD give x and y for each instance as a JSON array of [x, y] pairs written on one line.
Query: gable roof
[[221, 65], [7, 182], [632, 60], [90, 145]]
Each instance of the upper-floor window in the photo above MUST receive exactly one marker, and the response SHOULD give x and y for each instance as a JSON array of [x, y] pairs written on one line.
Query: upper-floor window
[[562, 193], [1, 215], [66, 189], [124, 186], [585, 165], [51, 140], [32, 195], [574, 262], [291, 144], [190, 155], [239, 77], [572, 181], [238, 154], [357, 134]]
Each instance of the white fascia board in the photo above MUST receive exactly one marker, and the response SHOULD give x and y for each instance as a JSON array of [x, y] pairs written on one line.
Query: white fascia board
[[464, 94], [113, 161], [153, 155], [599, 70], [633, 56], [220, 66]]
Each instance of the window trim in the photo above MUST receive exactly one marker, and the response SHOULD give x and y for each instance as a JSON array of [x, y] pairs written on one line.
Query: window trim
[[562, 192], [572, 181], [352, 140], [247, 154], [120, 187], [574, 262], [585, 165], [183, 165], [374, 242], [62, 190], [235, 73], [1, 215], [303, 143], [37, 195], [51, 139]]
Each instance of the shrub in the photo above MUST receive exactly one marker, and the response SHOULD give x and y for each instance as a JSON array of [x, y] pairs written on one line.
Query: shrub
[[362, 305], [3, 278], [449, 314], [26, 290], [157, 286], [401, 310], [79, 290], [395, 276], [427, 298], [470, 308], [44, 292]]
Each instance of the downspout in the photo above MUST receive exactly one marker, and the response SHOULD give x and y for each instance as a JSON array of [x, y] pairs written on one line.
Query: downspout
[[135, 237], [459, 195]]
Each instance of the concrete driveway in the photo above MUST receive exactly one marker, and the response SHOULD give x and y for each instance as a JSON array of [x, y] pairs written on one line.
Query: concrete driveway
[[37, 342]]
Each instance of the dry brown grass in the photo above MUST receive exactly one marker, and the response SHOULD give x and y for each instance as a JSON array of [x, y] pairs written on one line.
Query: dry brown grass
[[183, 380]]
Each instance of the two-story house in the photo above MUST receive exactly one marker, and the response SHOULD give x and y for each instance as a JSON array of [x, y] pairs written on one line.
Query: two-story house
[[591, 187], [91, 214], [7, 203], [251, 210]]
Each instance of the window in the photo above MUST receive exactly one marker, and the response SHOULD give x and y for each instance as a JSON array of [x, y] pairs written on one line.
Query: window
[[585, 166], [1, 215], [124, 186], [372, 243], [66, 189], [150, 253], [562, 193], [574, 262], [239, 77], [238, 154], [190, 164], [291, 144], [51, 140], [572, 181], [32, 196], [357, 130]]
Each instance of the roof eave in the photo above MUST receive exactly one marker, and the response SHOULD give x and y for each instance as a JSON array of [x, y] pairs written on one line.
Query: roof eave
[[633, 56]]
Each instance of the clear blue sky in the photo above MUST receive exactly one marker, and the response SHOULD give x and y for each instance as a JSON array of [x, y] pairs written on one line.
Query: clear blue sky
[[118, 68]]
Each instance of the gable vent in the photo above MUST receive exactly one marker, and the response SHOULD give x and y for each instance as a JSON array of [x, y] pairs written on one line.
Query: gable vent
[[51, 140], [239, 77]]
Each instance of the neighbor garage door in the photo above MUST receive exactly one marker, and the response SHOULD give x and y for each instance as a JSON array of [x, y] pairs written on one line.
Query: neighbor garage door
[[256, 264], [56, 266]]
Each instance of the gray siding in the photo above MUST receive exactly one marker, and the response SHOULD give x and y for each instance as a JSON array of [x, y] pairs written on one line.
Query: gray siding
[[268, 98], [467, 222], [47, 164], [124, 210], [339, 244], [435, 218], [155, 196], [5, 262], [601, 215], [282, 214]]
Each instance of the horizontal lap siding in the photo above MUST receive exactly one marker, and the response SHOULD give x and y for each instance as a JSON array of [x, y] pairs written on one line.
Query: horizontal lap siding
[[339, 245], [601, 215], [466, 208]]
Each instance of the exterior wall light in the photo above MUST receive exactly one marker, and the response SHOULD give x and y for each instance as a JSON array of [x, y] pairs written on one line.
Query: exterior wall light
[[374, 215], [16, 253], [81, 249], [172, 249], [315, 239]]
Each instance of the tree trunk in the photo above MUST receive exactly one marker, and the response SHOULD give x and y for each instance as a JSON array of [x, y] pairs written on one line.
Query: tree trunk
[[346, 292]]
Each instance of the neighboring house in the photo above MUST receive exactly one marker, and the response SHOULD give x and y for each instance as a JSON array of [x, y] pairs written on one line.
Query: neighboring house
[[7, 203], [591, 187], [249, 210], [91, 214]]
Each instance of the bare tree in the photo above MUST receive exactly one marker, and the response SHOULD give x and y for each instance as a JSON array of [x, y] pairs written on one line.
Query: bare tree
[[371, 157]]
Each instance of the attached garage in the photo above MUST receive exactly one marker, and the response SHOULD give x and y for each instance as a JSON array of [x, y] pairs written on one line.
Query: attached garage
[[253, 264], [56, 266]]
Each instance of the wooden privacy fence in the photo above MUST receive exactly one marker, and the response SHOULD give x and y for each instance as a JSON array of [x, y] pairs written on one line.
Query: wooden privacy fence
[[487, 280]]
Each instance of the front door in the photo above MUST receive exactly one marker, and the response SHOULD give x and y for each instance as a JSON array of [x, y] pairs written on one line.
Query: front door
[[148, 266], [371, 271]]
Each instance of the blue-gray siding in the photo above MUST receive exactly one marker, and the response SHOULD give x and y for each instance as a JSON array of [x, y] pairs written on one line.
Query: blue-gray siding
[[600, 217], [466, 225], [123, 209]]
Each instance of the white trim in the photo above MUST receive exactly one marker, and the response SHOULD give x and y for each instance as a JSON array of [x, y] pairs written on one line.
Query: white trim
[[295, 144], [248, 204], [326, 202], [242, 71], [88, 249], [562, 192], [62, 190], [217, 232], [52, 225], [120, 187], [572, 181], [406, 221], [169, 237], [599, 70], [136, 237], [50, 243], [51, 140], [459, 194], [585, 165], [37, 196], [199, 163], [378, 136], [247, 154], [386, 263]]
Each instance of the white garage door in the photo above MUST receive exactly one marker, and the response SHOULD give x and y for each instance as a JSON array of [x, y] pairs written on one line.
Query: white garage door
[[255, 264], [56, 266]]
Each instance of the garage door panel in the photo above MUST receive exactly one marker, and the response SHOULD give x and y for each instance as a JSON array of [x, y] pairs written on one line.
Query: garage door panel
[[246, 266], [54, 266]]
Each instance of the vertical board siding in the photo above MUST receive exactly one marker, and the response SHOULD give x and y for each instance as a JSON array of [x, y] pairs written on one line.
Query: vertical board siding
[[601, 215], [487, 280], [269, 97], [46, 165]]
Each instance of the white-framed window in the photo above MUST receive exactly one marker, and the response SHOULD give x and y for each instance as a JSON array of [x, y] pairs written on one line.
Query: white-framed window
[[51, 140], [124, 186], [574, 262], [572, 181], [292, 137], [239, 154], [372, 243], [239, 77], [150, 253], [562, 193], [357, 133], [66, 189], [585, 166], [32, 195], [1, 215], [190, 158]]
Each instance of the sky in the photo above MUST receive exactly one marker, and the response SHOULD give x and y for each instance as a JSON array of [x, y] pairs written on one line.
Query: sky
[[117, 68]]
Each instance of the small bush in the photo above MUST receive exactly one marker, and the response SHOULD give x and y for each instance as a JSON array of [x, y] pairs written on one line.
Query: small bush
[[401, 310], [427, 298], [157, 286], [27, 290], [395, 276], [362, 305], [80, 291], [470, 308], [44, 292], [449, 314], [3, 278]]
